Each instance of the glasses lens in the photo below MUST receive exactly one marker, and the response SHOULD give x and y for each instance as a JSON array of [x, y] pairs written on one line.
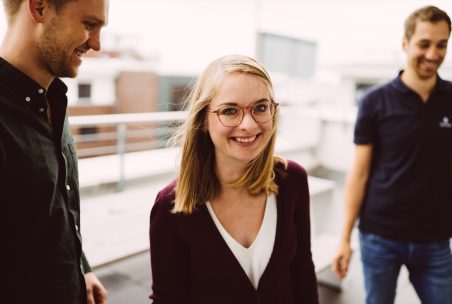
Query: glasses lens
[[230, 116], [262, 112]]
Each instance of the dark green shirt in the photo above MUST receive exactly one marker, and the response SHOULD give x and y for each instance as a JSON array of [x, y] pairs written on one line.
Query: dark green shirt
[[41, 250]]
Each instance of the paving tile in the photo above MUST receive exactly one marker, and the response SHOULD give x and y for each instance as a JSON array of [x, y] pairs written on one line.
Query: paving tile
[[113, 280], [136, 268], [129, 294]]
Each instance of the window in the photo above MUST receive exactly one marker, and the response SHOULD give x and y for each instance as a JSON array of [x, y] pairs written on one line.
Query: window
[[361, 88], [84, 93]]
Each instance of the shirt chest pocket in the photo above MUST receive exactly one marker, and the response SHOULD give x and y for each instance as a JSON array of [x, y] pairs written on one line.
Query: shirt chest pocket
[[32, 174]]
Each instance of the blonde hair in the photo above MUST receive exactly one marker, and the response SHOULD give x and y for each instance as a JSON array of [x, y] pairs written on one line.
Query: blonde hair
[[12, 6], [197, 181]]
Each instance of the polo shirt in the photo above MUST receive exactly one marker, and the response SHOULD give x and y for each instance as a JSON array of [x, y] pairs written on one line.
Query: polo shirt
[[408, 195], [40, 204]]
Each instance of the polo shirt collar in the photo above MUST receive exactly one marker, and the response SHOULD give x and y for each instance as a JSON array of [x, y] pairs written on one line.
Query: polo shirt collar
[[27, 89], [398, 84]]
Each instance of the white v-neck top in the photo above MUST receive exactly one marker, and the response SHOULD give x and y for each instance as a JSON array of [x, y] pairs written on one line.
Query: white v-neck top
[[253, 259]]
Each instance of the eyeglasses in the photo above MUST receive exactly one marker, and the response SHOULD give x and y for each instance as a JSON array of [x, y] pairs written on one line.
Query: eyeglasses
[[231, 116]]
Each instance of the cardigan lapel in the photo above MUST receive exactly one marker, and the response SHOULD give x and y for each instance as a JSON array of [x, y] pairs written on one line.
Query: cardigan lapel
[[267, 277], [230, 258]]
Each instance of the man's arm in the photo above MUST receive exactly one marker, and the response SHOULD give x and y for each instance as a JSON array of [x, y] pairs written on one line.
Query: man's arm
[[354, 193]]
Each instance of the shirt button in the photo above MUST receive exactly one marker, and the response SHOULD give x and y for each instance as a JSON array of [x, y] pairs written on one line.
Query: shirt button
[[41, 109], [40, 91], [27, 99], [68, 188]]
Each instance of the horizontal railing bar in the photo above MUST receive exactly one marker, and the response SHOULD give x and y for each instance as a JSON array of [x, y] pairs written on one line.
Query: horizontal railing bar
[[113, 119], [149, 134], [97, 151]]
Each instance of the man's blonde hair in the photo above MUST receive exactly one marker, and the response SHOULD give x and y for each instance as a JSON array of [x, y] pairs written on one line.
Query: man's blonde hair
[[197, 181], [12, 6]]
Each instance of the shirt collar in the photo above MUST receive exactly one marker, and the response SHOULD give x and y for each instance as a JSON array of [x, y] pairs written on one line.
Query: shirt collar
[[28, 90], [397, 83]]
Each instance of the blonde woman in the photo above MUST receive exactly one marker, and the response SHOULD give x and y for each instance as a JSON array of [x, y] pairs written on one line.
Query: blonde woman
[[234, 227]]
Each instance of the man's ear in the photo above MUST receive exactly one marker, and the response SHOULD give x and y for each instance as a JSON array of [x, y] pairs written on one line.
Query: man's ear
[[36, 9], [405, 43]]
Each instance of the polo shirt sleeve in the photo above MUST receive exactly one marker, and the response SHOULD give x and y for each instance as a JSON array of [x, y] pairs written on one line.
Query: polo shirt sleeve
[[365, 126]]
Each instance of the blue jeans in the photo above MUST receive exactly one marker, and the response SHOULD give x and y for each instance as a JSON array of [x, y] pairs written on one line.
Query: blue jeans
[[429, 265]]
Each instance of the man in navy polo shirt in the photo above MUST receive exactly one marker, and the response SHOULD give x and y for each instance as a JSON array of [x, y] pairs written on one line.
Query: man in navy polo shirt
[[400, 184]]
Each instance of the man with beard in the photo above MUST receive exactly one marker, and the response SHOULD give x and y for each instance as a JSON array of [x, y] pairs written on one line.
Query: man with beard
[[42, 255], [401, 180]]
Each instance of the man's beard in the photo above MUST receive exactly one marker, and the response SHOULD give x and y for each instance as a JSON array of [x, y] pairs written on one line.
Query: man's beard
[[52, 56]]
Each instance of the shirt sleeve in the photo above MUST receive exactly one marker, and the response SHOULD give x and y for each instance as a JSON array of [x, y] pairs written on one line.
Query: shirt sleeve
[[85, 264], [169, 255], [305, 281], [365, 126]]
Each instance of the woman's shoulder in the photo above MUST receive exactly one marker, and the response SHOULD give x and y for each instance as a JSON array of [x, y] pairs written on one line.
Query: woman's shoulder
[[168, 191], [290, 169], [295, 168], [165, 197]]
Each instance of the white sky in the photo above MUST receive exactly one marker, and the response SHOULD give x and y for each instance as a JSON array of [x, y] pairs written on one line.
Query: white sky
[[187, 34]]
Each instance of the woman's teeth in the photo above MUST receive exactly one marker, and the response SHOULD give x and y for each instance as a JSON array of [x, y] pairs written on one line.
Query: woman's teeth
[[246, 139]]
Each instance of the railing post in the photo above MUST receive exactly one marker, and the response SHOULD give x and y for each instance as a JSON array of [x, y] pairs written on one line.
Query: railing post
[[121, 150]]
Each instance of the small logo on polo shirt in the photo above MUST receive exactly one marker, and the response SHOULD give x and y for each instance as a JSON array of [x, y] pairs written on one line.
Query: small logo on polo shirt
[[445, 123]]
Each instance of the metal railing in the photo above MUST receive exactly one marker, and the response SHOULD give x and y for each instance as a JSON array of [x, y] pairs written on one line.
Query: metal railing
[[152, 130]]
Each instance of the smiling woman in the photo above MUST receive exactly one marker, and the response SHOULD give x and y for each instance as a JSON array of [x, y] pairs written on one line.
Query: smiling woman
[[234, 227]]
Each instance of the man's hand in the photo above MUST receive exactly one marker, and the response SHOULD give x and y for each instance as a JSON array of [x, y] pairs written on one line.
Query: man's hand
[[95, 291], [342, 260]]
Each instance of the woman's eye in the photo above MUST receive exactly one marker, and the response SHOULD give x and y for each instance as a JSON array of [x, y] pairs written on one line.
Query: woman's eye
[[229, 111], [261, 107]]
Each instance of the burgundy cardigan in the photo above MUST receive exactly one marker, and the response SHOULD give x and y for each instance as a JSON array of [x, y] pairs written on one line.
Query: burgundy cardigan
[[192, 264]]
